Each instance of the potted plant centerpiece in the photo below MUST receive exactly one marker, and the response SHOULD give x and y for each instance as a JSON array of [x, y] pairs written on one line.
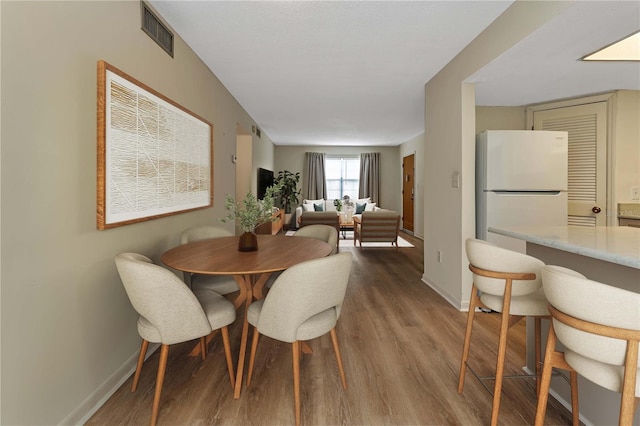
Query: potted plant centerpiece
[[289, 192], [249, 213]]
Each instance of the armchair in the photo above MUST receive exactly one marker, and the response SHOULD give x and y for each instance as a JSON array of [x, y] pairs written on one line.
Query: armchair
[[379, 226]]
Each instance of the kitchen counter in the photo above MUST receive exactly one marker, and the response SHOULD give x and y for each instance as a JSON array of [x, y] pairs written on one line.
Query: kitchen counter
[[615, 244], [608, 254]]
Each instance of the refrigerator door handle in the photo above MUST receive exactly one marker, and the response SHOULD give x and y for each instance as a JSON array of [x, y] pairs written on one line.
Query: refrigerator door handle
[[528, 192]]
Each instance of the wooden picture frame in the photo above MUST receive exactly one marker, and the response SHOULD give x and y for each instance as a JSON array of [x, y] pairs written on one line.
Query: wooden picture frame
[[155, 157]]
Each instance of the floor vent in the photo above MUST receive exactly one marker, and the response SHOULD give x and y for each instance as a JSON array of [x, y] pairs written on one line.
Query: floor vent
[[155, 29]]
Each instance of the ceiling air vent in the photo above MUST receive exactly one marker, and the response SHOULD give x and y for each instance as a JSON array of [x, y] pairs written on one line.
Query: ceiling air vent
[[152, 25]]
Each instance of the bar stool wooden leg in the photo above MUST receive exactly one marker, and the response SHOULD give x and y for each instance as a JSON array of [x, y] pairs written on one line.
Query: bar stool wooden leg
[[575, 411], [545, 381], [502, 351], [538, 345], [553, 358], [627, 405], [467, 337]]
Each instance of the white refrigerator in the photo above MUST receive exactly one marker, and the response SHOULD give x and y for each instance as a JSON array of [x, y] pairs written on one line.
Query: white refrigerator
[[521, 180]]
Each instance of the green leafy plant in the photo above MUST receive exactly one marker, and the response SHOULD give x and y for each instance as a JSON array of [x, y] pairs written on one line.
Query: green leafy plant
[[338, 203], [289, 192], [251, 212]]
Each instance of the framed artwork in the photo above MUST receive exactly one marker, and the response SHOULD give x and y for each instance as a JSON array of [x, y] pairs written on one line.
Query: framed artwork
[[155, 157]]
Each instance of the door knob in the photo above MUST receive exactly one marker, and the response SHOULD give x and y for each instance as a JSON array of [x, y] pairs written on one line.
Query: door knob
[[596, 209]]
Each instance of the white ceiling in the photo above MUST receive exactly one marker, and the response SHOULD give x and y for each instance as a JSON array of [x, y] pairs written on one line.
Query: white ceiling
[[353, 72]]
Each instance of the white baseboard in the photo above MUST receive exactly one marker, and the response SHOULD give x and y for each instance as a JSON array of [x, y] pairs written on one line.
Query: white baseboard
[[461, 306], [82, 413]]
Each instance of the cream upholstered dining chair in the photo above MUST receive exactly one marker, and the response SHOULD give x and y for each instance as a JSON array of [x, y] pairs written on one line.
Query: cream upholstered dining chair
[[171, 313], [325, 233], [223, 284], [304, 303], [330, 218], [378, 226], [510, 283], [599, 326]]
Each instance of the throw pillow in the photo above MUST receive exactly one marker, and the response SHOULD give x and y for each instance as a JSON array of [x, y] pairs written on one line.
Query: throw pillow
[[318, 207], [312, 201], [308, 207], [360, 207], [370, 207]]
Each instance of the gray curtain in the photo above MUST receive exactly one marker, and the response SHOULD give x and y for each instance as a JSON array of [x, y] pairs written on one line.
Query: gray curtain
[[316, 184], [370, 176]]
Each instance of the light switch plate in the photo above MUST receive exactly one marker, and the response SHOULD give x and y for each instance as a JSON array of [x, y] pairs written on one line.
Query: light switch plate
[[455, 180]]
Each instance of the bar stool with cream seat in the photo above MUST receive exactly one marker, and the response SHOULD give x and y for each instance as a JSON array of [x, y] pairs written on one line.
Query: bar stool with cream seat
[[599, 326], [510, 283]]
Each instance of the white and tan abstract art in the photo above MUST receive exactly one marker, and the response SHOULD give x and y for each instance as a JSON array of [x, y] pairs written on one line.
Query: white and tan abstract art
[[157, 156]]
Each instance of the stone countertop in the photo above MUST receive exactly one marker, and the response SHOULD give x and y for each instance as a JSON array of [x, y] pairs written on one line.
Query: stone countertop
[[615, 244]]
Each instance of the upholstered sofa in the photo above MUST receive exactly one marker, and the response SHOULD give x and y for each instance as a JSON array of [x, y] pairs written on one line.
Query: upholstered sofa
[[321, 205]]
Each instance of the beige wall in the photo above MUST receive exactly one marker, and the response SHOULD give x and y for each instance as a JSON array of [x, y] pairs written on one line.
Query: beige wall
[[292, 158], [500, 118], [627, 144], [450, 130], [68, 330]]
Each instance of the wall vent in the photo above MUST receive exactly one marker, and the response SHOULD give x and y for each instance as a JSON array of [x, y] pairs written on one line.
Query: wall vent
[[155, 29], [258, 133]]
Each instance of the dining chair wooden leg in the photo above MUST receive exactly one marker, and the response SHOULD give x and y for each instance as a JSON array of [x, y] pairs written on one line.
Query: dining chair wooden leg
[[162, 366], [143, 353], [227, 354], [336, 349], [295, 346], [203, 347], [502, 350], [467, 337], [252, 356], [246, 282]]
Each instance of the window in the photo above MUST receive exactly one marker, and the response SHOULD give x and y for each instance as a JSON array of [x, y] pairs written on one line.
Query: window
[[343, 177]]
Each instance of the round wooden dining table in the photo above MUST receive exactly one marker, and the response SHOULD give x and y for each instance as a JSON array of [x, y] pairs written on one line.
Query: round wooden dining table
[[251, 270]]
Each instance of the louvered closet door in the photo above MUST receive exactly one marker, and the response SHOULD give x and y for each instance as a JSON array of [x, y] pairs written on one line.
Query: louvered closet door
[[587, 128]]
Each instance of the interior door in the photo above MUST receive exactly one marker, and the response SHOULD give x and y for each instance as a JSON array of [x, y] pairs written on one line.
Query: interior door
[[408, 188], [587, 128]]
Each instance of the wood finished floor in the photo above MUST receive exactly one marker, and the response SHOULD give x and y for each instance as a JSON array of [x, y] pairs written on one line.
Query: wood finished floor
[[401, 345]]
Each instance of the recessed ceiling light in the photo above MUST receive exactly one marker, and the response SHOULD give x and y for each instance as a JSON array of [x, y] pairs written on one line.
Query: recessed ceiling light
[[627, 49]]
